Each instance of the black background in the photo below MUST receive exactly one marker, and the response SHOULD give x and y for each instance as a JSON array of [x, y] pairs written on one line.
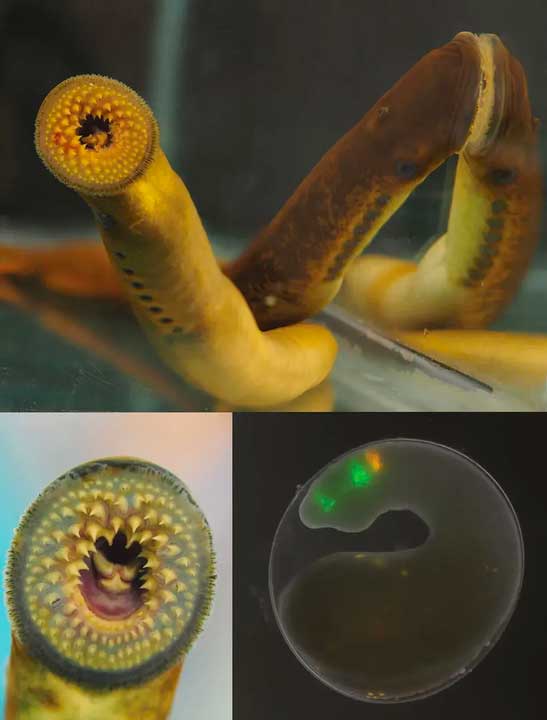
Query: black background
[[275, 453]]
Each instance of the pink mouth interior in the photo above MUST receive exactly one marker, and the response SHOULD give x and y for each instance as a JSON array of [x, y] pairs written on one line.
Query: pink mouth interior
[[110, 606], [103, 603]]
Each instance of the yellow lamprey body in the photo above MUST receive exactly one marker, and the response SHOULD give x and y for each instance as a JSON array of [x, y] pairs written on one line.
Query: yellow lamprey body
[[519, 360], [35, 693], [192, 312], [110, 577]]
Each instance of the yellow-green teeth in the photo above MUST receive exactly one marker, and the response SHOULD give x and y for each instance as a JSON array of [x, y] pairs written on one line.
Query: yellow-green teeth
[[111, 573]]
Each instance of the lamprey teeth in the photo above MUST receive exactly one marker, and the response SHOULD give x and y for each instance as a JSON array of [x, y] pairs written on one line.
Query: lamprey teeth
[[73, 569], [129, 572], [94, 587], [93, 529], [84, 547], [99, 510], [105, 567], [114, 584], [134, 522]]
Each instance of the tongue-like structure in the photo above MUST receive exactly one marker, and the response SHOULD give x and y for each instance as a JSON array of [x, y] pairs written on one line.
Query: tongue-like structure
[[110, 590]]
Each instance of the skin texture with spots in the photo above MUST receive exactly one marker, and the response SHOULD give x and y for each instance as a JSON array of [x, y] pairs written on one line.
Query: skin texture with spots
[[234, 330], [469, 274], [301, 257]]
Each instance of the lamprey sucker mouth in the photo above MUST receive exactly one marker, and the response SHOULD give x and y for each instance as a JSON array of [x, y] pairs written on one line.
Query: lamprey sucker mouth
[[95, 135], [110, 574], [112, 585]]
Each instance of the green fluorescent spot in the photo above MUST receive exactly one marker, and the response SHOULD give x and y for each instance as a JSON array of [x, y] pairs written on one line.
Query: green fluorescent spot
[[360, 476], [326, 502]]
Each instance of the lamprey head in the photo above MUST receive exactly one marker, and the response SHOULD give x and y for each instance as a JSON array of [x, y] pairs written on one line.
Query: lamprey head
[[95, 134], [110, 574]]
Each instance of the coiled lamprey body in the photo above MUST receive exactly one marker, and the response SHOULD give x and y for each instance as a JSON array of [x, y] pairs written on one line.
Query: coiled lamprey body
[[236, 331]]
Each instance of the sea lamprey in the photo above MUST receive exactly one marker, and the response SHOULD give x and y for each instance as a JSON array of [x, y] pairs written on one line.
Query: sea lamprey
[[235, 330], [110, 577], [98, 137]]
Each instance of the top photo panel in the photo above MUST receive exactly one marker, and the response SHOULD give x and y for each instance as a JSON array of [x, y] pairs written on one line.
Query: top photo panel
[[232, 205]]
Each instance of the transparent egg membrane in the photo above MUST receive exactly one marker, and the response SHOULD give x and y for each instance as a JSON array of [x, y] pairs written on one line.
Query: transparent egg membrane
[[395, 569]]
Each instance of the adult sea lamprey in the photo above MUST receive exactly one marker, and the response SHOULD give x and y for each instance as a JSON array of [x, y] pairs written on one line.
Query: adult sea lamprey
[[236, 330], [110, 577]]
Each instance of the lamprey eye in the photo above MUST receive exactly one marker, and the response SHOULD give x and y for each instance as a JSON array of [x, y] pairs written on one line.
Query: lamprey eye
[[110, 574], [95, 134]]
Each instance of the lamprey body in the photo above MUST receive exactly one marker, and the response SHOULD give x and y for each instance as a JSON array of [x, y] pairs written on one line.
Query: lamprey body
[[110, 577], [468, 97], [192, 312], [235, 330], [469, 274]]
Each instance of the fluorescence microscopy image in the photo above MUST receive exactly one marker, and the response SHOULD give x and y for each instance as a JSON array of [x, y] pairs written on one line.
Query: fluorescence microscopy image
[[395, 567], [116, 594], [363, 598]]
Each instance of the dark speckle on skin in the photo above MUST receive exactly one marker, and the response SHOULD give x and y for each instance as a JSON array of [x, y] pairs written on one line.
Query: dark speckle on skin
[[166, 320], [120, 255], [492, 236], [474, 275], [406, 170], [128, 271], [499, 206], [45, 697], [484, 261], [495, 223], [503, 176], [146, 298], [155, 309], [382, 200], [138, 285], [104, 220], [348, 248]]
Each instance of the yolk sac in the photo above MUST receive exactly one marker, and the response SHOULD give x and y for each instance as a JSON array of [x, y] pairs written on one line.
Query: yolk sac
[[395, 570], [112, 584]]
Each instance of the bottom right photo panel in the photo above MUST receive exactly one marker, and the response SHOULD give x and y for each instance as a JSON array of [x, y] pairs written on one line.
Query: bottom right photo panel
[[389, 566]]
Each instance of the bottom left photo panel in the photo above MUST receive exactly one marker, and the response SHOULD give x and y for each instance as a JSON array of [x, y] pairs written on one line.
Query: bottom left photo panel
[[116, 554]]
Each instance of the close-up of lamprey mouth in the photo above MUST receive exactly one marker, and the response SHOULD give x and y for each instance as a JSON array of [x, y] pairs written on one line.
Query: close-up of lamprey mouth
[[110, 577]]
